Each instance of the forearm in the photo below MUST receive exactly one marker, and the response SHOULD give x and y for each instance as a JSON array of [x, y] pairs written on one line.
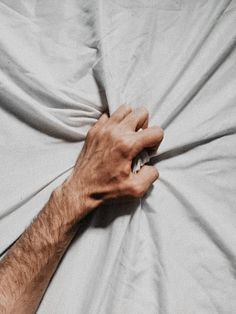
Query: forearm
[[103, 171], [27, 268]]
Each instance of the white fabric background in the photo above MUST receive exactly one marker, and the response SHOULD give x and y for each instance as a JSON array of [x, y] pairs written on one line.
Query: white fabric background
[[62, 64]]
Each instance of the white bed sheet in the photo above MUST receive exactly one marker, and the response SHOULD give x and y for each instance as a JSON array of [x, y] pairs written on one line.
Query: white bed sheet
[[62, 64]]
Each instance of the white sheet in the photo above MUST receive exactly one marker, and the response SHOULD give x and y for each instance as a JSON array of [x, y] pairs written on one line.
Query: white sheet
[[62, 64]]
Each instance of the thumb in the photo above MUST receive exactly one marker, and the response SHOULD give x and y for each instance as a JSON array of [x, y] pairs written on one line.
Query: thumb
[[144, 179]]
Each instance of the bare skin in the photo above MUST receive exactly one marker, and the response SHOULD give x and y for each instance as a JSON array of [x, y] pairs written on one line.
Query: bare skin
[[102, 171]]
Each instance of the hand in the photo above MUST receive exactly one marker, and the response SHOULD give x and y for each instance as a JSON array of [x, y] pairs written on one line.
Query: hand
[[103, 169]]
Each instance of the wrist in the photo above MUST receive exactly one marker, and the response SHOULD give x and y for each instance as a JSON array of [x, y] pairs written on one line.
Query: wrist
[[72, 201]]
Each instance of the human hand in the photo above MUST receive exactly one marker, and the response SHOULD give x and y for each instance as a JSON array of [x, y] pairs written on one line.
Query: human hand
[[104, 167]]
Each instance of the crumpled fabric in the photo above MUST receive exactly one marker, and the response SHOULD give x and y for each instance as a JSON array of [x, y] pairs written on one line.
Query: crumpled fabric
[[62, 64]]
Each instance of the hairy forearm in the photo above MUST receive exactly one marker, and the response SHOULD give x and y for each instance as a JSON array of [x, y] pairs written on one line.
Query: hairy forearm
[[26, 269], [103, 171]]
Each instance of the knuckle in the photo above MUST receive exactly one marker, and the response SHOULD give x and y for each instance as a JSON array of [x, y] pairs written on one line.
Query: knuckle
[[125, 172], [106, 132], [113, 133], [136, 190], [125, 144]]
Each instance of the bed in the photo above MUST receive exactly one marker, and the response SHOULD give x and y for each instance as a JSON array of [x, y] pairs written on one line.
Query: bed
[[62, 64]]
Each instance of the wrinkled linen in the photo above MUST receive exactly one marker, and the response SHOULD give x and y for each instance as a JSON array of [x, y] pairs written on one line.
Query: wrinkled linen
[[65, 62]]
